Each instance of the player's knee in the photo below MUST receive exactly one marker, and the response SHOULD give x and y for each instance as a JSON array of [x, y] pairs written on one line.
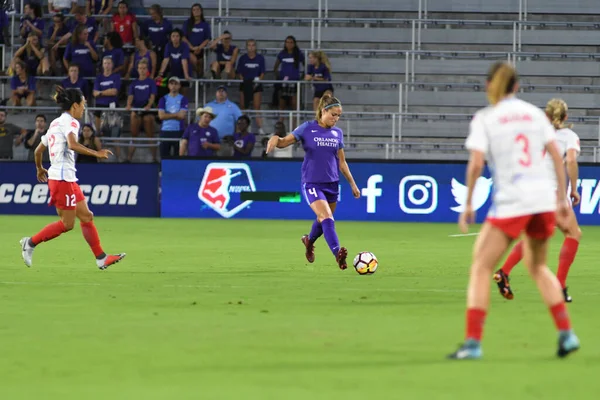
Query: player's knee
[[325, 215], [86, 217], [576, 234], [69, 225]]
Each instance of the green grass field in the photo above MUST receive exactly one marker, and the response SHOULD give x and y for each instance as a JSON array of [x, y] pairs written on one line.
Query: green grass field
[[223, 309]]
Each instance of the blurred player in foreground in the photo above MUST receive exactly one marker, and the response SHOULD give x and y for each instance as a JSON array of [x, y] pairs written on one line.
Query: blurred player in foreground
[[65, 194], [569, 149], [513, 134], [324, 158]]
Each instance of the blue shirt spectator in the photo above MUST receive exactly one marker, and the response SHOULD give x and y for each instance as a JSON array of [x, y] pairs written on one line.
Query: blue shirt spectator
[[173, 103], [227, 113]]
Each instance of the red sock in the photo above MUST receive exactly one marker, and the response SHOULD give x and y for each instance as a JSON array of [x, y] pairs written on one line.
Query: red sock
[[49, 232], [561, 317], [513, 259], [475, 321], [565, 259], [91, 236]]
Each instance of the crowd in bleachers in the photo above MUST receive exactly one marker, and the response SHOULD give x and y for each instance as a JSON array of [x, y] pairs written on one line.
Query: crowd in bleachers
[[148, 62]]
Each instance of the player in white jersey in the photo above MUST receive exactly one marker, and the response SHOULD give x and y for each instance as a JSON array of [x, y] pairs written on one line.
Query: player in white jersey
[[512, 135], [569, 149], [65, 194]]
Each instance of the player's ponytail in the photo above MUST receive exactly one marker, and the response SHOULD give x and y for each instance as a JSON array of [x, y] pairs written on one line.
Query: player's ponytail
[[556, 110], [65, 98], [325, 102], [502, 79]]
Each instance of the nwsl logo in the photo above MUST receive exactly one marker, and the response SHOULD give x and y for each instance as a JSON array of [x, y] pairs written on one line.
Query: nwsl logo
[[221, 187]]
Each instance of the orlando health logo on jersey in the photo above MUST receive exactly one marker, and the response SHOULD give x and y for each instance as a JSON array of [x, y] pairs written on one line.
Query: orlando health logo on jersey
[[222, 186]]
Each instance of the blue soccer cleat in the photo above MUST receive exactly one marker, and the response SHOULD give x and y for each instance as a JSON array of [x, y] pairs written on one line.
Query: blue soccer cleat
[[568, 342], [470, 350]]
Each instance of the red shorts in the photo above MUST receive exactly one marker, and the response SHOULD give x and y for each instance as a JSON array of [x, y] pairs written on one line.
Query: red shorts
[[64, 195], [536, 226]]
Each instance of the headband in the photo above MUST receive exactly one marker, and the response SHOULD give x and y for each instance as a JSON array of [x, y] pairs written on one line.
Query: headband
[[332, 105]]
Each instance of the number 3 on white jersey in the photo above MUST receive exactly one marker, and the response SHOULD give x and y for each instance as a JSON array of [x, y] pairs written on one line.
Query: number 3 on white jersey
[[525, 158]]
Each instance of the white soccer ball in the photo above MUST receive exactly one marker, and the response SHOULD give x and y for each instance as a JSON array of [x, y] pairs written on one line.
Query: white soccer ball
[[365, 263]]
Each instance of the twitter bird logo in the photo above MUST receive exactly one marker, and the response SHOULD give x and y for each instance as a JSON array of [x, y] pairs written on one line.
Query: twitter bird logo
[[483, 187]]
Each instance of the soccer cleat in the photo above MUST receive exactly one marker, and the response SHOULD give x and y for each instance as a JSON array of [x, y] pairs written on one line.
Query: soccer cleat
[[567, 343], [341, 258], [310, 248], [502, 281], [470, 350], [109, 260], [568, 299], [26, 251]]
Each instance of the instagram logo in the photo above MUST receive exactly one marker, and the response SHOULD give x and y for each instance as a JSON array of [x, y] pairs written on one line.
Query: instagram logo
[[418, 194]]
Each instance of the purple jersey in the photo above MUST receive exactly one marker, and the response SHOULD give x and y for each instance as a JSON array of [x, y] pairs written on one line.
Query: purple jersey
[[101, 83], [136, 59], [196, 136], [240, 142], [80, 84], [158, 33], [61, 32], [224, 55], [92, 27], [141, 90], [198, 32], [320, 72], [321, 146], [250, 68], [31, 61], [176, 55], [37, 22], [117, 56], [289, 70], [17, 83], [80, 54]]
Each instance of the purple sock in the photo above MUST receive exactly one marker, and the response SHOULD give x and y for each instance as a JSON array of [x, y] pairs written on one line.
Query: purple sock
[[330, 235], [316, 231]]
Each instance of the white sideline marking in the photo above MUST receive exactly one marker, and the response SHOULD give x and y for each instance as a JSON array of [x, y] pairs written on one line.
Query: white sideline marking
[[464, 234]]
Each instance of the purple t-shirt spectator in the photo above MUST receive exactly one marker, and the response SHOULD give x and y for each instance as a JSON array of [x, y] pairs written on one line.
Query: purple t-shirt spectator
[[172, 105], [104, 83], [31, 61], [240, 142], [196, 136], [250, 68], [141, 90], [136, 59], [37, 22], [158, 32], [176, 56], [61, 32], [92, 27], [321, 145], [80, 54], [17, 83], [80, 84], [288, 69], [3, 23], [116, 55], [223, 55], [198, 33], [321, 72]]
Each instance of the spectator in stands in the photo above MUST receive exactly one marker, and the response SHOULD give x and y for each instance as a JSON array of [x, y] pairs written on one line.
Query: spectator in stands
[[9, 135], [106, 89], [158, 29], [251, 69], [143, 52], [5, 36], [89, 139], [56, 32], [32, 21], [34, 137], [62, 6], [196, 32], [176, 58], [81, 51], [125, 24], [227, 55], [142, 93], [227, 113], [81, 18], [99, 7], [290, 59], [75, 81], [22, 85], [33, 55], [243, 141], [201, 139], [319, 70], [172, 110], [287, 152], [113, 49]]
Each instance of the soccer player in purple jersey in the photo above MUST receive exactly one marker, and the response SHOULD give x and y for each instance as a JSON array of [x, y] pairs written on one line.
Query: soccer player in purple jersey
[[324, 158]]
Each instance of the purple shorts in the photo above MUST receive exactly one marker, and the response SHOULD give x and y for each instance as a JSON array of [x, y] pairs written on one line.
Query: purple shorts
[[321, 191]]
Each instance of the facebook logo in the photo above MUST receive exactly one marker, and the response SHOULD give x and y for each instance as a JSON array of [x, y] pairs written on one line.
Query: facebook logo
[[372, 192]]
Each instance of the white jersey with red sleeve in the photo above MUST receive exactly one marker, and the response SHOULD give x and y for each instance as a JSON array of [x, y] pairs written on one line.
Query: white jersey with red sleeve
[[513, 135], [62, 159], [566, 140]]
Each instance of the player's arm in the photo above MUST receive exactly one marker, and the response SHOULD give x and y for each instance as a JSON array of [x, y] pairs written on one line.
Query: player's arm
[[280, 142], [345, 169], [552, 150], [183, 145], [41, 172], [573, 173], [81, 149]]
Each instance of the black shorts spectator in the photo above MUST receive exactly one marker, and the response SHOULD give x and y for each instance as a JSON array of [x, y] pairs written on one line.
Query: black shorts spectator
[[249, 87]]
